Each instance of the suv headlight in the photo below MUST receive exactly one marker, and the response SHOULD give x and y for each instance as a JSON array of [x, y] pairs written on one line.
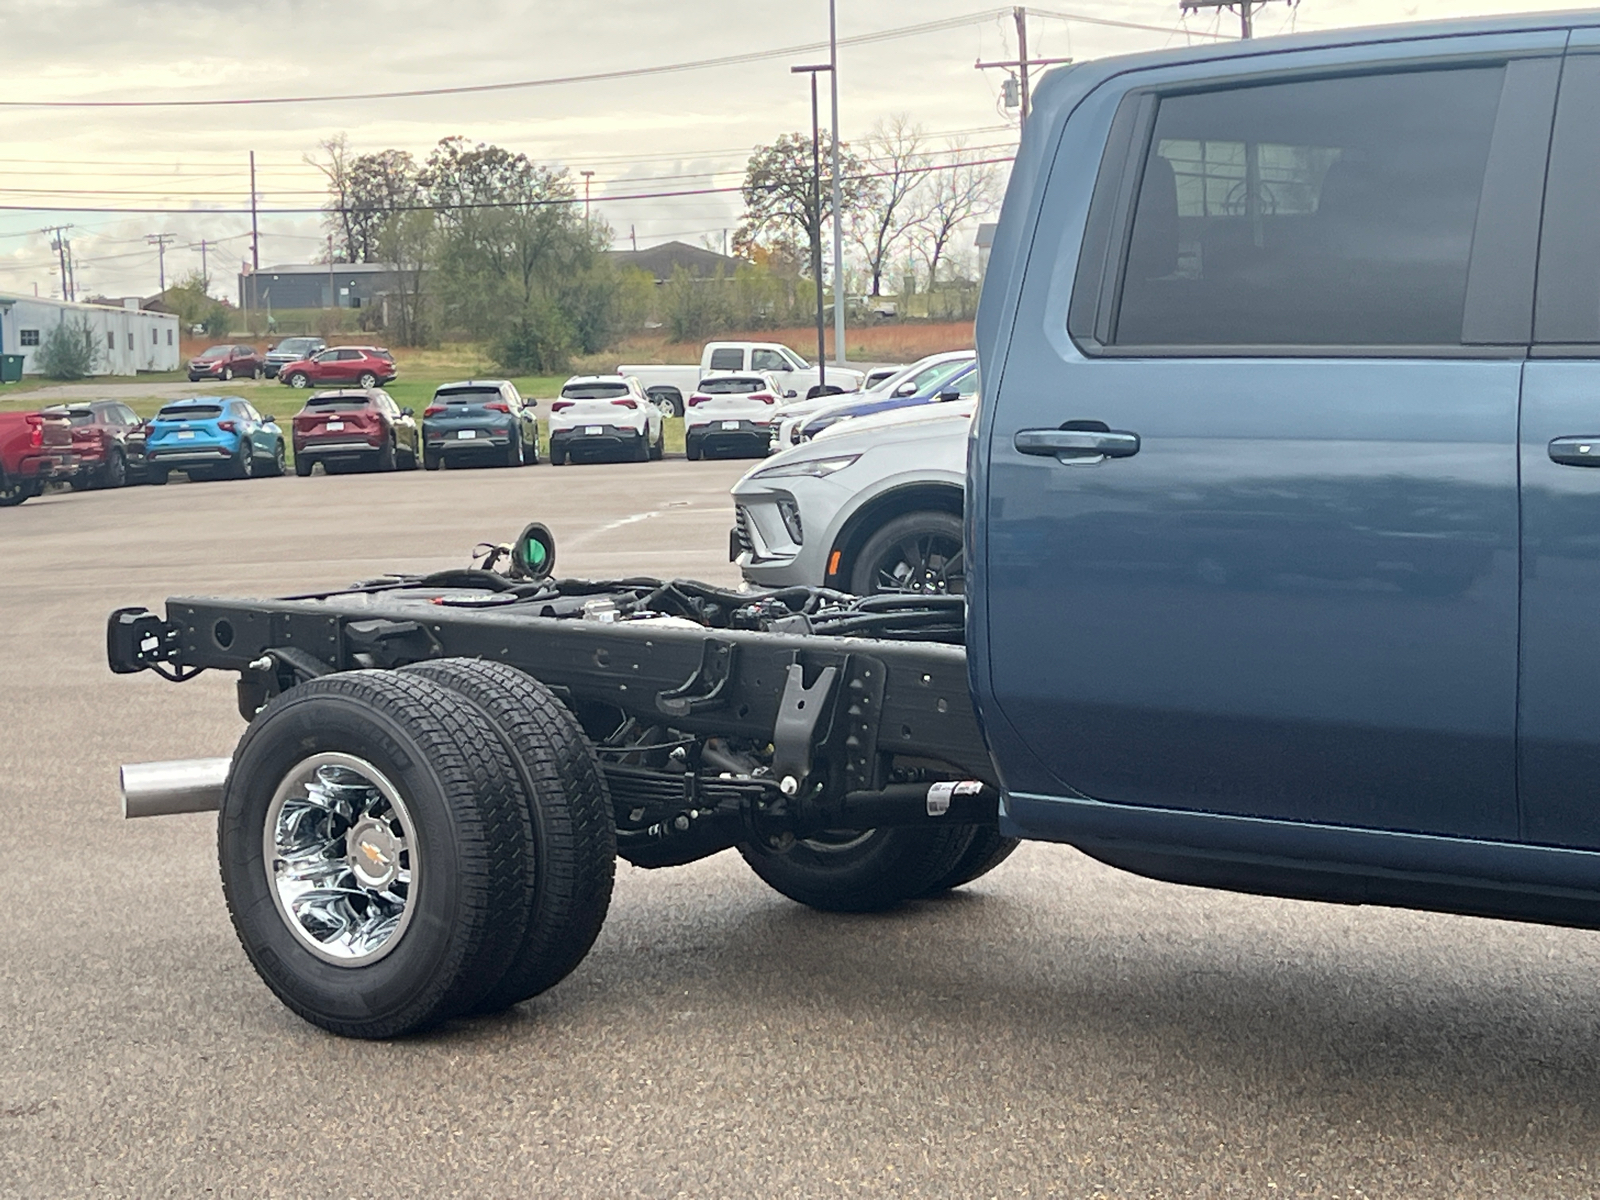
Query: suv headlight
[[814, 468]]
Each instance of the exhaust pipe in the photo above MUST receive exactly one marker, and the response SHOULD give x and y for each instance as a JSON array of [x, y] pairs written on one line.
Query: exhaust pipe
[[161, 789]]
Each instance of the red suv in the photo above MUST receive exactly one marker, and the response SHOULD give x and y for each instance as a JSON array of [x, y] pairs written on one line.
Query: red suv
[[108, 438], [351, 428], [362, 366], [225, 363]]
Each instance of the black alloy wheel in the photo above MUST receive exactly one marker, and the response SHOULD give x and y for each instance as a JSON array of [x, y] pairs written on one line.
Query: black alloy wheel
[[14, 491], [917, 553]]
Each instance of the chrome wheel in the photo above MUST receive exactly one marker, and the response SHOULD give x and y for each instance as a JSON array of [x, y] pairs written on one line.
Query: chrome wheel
[[340, 853]]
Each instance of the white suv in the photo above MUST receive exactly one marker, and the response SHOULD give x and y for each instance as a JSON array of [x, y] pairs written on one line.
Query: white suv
[[731, 414], [596, 414]]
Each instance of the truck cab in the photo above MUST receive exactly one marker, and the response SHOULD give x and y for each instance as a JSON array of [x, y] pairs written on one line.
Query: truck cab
[[1280, 516]]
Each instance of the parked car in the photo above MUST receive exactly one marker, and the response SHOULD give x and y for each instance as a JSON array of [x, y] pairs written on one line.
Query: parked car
[[213, 437], [291, 350], [479, 420], [599, 414], [961, 384], [358, 366], [871, 506], [226, 363], [907, 381], [352, 428], [670, 386], [108, 438], [731, 414], [35, 448]]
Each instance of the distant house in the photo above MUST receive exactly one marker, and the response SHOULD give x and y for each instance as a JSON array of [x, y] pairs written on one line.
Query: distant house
[[129, 339], [318, 285], [660, 261]]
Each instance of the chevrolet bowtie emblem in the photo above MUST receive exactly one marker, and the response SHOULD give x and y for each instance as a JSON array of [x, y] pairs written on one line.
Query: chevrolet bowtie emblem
[[372, 852]]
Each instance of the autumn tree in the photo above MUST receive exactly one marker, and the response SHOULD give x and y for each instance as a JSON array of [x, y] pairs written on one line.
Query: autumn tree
[[778, 201]]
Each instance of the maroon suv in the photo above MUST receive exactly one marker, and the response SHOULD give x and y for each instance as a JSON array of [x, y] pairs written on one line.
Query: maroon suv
[[354, 428], [108, 438], [225, 363], [355, 366]]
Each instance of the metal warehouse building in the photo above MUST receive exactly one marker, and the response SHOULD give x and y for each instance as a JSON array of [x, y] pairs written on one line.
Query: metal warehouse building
[[130, 339], [317, 285]]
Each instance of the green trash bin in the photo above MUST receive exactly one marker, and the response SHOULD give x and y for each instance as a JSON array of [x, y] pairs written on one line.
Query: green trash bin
[[10, 368]]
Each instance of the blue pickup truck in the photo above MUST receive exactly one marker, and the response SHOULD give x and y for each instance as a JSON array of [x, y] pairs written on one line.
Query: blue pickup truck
[[1284, 536]]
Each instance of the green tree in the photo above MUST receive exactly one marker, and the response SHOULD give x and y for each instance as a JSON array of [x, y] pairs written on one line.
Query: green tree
[[71, 350], [778, 197]]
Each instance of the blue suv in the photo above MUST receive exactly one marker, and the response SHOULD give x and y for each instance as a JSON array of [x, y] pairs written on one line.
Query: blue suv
[[212, 437], [958, 385]]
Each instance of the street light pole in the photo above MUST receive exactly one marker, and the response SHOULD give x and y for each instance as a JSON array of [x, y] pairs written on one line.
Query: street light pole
[[838, 220], [587, 176], [816, 220]]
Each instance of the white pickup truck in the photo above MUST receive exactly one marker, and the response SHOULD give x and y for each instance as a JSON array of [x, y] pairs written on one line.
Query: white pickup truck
[[670, 386]]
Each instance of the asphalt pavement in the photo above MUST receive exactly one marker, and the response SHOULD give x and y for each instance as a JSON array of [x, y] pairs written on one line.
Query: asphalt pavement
[[1057, 1029]]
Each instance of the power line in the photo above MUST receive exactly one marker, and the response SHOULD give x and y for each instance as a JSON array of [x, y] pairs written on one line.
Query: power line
[[726, 60], [296, 212], [1107, 21]]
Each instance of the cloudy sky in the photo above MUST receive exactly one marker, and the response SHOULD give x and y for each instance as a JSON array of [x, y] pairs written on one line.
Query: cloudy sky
[[684, 130]]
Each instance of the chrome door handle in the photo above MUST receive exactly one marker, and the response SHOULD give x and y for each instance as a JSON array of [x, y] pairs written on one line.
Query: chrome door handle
[[1576, 451], [1076, 445]]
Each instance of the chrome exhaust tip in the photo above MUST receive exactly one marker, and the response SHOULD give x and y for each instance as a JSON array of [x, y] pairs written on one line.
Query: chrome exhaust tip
[[160, 789]]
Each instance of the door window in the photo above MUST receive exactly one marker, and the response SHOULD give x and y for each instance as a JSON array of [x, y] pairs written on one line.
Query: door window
[[768, 360], [1567, 305], [1318, 212], [729, 358]]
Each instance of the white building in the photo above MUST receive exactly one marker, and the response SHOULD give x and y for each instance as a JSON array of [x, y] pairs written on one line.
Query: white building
[[130, 339]]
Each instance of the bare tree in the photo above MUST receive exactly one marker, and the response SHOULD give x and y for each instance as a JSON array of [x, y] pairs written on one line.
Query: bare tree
[[335, 164], [894, 153], [961, 189]]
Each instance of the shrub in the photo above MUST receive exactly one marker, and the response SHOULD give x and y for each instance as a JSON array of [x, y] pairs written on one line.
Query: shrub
[[539, 341], [70, 351]]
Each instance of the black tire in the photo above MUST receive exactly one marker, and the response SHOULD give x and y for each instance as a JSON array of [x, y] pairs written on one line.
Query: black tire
[[430, 461], [572, 853], [298, 380], [987, 849], [367, 381], [279, 464], [408, 460], [469, 825], [641, 452], [386, 457], [82, 481], [115, 472], [14, 491], [514, 450], [243, 467], [303, 465], [866, 871], [156, 476], [922, 551], [227, 374], [659, 449]]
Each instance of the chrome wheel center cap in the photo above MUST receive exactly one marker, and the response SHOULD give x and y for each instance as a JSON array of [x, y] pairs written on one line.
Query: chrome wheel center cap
[[373, 853]]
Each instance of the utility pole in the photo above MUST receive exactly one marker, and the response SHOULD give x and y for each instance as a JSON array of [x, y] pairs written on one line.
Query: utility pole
[[1246, 11], [333, 296], [587, 176], [1023, 100], [255, 236], [838, 218], [816, 221], [58, 243], [633, 236], [205, 274], [161, 241]]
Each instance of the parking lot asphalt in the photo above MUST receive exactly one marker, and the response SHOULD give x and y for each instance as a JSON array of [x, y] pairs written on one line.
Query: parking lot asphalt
[[1058, 1028]]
